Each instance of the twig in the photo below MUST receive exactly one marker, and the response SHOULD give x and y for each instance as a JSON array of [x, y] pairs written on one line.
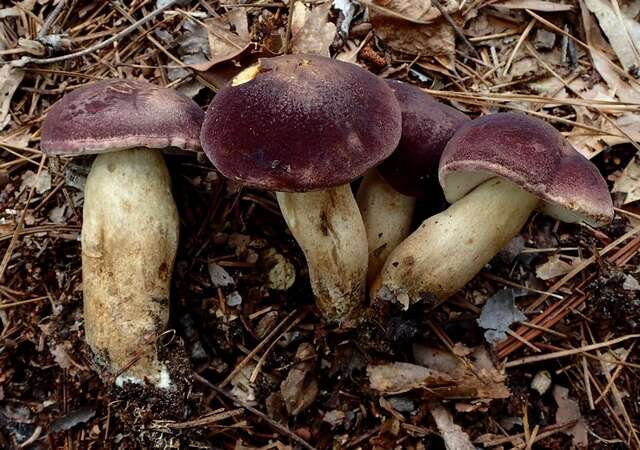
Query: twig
[[569, 352], [275, 425], [27, 59], [51, 18]]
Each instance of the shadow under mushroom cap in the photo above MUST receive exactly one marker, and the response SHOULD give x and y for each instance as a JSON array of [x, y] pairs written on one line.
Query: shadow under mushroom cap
[[427, 126], [303, 123], [532, 154], [117, 114]]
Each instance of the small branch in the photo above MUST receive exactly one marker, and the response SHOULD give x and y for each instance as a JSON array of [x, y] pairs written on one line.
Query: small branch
[[275, 425], [51, 18], [27, 59]]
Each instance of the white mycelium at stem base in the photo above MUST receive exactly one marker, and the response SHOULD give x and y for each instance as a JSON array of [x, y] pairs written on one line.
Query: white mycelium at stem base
[[129, 241], [387, 218], [450, 248], [330, 231]]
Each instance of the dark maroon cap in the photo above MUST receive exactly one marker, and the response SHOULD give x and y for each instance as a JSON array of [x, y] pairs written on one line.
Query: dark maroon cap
[[427, 126], [113, 115], [303, 123], [532, 154]]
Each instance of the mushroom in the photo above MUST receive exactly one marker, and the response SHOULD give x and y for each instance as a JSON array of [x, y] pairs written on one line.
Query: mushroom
[[495, 170], [305, 127], [130, 222], [387, 194]]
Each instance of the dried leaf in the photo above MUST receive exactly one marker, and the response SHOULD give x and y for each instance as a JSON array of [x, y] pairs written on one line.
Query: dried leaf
[[454, 437], [414, 27], [630, 284], [300, 388], [555, 266], [569, 411], [622, 32], [624, 91], [498, 314], [10, 79], [629, 181], [312, 32], [589, 143], [535, 5], [41, 183], [461, 382]]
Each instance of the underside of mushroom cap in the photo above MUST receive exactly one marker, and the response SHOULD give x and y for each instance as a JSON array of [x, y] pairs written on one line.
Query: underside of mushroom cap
[[532, 154], [427, 126], [303, 123], [118, 114]]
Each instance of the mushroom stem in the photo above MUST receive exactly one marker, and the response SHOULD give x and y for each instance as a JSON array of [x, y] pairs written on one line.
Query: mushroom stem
[[129, 241], [387, 218], [450, 248], [330, 231]]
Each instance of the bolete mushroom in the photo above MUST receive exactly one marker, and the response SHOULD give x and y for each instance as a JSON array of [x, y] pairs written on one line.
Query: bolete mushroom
[[495, 170], [387, 195], [130, 221], [305, 126]]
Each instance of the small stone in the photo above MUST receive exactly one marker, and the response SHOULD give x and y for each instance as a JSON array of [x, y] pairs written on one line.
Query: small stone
[[234, 299], [545, 40]]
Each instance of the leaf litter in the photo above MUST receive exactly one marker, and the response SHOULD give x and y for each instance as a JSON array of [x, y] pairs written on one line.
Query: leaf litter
[[240, 299]]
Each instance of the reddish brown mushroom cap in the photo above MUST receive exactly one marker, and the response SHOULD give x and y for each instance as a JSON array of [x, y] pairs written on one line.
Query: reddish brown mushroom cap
[[427, 126], [113, 115], [533, 155], [303, 123]]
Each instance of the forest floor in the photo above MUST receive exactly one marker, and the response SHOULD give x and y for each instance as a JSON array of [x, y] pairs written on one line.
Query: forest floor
[[266, 371]]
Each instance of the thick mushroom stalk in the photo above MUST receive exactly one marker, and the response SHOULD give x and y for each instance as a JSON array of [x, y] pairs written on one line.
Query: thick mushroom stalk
[[129, 241], [450, 248], [329, 229], [387, 216]]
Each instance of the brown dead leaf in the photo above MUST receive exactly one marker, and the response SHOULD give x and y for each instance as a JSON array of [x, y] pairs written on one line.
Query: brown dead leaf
[[622, 32], [300, 388], [629, 181], [414, 27], [311, 31], [535, 5], [453, 435], [555, 266], [10, 79], [598, 51], [569, 411], [442, 375]]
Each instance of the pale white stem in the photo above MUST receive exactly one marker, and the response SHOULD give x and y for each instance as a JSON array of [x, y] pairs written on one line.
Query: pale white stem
[[329, 229], [450, 248], [129, 241], [387, 218]]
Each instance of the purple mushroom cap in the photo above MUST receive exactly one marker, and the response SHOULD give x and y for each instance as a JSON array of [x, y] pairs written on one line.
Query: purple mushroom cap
[[427, 126], [532, 154], [112, 115], [303, 123]]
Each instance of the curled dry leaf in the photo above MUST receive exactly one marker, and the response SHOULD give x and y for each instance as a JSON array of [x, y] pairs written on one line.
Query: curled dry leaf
[[452, 434], [442, 375], [311, 31], [414, 26], [569, 411]]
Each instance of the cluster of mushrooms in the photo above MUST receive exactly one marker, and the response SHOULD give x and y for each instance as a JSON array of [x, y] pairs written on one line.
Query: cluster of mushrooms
[[305, 127]]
